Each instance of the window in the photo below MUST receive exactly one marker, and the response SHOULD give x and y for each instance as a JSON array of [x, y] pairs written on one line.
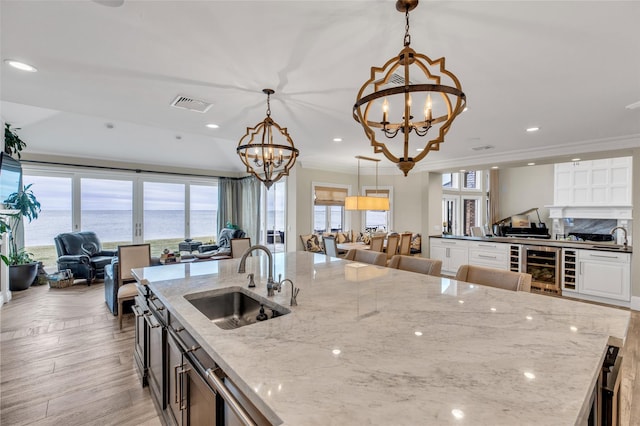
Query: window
[[462, 205], [275, 200], [328, 208], [203, 212], [164, 215], [374, 219], [107, 203], [471, 213], [450, 180], [121, 207], [54, 195], [471, 180]]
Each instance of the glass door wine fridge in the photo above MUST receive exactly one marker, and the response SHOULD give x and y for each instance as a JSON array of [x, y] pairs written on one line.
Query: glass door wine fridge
[[543, 263]]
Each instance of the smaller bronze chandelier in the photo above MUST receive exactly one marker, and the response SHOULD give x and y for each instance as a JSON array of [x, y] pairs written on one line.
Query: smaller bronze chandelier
[[391, 87], [266, 159]]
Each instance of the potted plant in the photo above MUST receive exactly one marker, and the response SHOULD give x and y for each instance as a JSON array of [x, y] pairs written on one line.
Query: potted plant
[[4, 227], [22, 268], [12, 142]]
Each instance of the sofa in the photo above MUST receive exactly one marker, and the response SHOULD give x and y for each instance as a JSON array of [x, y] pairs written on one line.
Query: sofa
[[82, 253]]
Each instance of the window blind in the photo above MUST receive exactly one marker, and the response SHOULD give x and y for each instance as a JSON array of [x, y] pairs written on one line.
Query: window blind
[[329, 196], [383, 193]]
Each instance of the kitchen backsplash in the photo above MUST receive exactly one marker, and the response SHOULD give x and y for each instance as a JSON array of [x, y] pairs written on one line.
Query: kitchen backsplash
[[589, 226]]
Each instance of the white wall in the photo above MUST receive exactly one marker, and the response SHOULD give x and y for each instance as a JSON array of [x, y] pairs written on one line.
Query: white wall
[[523, 188]]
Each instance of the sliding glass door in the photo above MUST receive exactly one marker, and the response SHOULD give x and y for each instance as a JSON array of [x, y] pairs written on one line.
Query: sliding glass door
[[107, 209], [120, 207]]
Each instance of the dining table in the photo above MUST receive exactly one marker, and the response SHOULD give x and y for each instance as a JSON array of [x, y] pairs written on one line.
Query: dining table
[[359, 245]]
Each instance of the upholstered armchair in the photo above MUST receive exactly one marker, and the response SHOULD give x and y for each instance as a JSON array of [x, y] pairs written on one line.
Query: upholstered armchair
[[82, 253]]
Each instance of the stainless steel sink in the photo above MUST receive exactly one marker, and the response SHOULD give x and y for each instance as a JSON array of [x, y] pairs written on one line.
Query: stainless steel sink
[[234, 307]]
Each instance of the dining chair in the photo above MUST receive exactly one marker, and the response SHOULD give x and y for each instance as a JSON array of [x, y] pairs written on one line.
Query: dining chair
[[421, 265], [367, 256], [377, 243], [130, 257], [330, 246], [239, 246], [405, 244], [392, 246], [508, 280]]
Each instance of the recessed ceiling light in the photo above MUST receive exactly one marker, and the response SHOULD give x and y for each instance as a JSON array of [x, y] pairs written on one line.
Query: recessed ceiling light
[[465, 109], [462, 170], [533, 129], [20, 65], [575, 159], [495, 167], [337, 139], [419, 149], [531, 164], [212, 126]]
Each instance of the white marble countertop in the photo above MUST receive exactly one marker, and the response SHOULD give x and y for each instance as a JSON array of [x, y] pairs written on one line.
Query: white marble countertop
[[372, 345]]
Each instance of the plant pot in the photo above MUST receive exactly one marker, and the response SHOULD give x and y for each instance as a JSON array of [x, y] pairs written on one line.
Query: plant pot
[[21, 276]]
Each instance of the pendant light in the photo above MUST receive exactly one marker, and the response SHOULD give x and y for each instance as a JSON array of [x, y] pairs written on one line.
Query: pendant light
[[362, 202]]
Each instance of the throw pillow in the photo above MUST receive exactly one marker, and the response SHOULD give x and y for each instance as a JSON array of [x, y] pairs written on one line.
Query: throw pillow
[[311, 243], [416, 243]]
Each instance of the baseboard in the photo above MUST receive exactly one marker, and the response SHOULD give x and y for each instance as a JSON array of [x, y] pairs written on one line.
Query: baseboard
[[635, 303]]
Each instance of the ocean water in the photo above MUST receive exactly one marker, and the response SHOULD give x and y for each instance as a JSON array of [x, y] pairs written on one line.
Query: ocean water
[[116, 225]]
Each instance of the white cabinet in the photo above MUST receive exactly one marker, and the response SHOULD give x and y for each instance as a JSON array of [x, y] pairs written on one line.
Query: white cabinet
[[604, 274], [590, 183], [452, 253], [490, 254]]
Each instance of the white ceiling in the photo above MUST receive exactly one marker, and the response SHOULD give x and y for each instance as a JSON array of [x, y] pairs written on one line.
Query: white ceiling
[[568, 67]]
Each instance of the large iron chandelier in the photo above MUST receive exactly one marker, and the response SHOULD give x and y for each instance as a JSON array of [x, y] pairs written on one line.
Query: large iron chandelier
[[384, 103], [366, 202], [265, 157]]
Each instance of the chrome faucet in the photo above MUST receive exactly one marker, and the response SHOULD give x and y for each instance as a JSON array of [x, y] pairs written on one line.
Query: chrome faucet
[[243, 261], [626, 241], [294, 290]]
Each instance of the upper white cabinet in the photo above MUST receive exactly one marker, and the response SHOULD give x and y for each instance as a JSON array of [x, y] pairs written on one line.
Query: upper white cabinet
[[593, 183]]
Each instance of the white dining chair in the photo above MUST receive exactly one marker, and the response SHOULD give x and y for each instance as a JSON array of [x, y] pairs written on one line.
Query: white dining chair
[[239, 246]]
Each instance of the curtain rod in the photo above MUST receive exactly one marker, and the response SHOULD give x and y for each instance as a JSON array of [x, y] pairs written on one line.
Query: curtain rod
[[124, 169]]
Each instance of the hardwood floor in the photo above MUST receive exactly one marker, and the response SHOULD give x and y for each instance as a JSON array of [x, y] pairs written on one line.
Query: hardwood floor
[[65, 362]]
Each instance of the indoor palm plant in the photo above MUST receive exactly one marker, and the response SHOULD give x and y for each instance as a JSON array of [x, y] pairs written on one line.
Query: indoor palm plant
[[22, 268], [12, 142]]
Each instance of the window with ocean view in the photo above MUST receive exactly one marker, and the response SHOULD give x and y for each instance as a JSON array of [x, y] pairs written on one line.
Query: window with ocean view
[[164, 214], [107, 210], [120, 207], [203, 213], [54, 195]]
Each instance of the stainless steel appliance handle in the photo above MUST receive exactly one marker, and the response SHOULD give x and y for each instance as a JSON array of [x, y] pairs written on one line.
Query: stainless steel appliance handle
[[484, 256], [220, 387]]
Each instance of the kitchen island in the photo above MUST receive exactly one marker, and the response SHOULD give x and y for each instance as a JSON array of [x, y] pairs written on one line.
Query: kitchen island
[[372, 345]]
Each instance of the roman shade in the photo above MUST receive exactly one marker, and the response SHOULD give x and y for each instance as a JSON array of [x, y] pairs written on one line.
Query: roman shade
[[329, 196]]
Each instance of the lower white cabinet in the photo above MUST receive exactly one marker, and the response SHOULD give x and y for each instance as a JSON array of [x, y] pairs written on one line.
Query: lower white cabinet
[[490, 254], [604, 274], [452, 253]]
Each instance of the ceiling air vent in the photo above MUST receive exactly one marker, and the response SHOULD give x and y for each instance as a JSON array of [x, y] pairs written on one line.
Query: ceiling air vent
[[482, 148], [191, 104]]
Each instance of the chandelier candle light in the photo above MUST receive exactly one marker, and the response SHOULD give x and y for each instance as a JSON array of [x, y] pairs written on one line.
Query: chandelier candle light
[[390, 89], [265, 159], [360, 202]]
